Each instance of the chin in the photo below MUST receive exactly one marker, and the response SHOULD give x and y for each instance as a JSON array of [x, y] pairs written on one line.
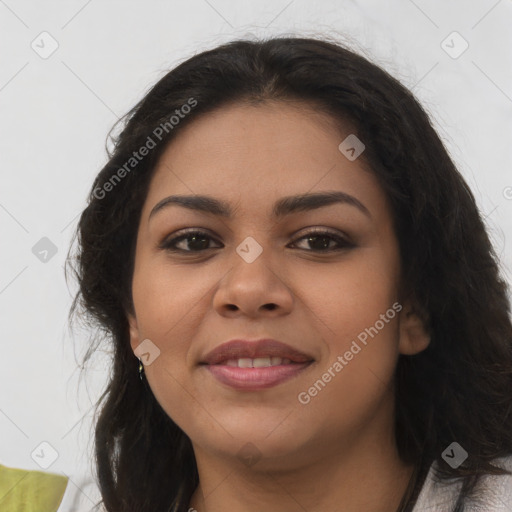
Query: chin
[[260, 449]]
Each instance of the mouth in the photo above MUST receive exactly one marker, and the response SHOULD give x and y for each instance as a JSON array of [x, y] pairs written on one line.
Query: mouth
[[255, 365]]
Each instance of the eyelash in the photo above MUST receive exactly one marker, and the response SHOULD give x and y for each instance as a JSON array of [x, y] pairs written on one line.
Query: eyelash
[[170, 244]]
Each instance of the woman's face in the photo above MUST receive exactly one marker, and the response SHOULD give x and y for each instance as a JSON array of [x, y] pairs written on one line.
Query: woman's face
[[333, 298]]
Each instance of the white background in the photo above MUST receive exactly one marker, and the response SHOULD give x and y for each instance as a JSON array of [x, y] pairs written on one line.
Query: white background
[[56, 113]]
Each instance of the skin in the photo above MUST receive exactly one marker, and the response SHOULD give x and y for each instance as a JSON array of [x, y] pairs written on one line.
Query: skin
[[337, 452]]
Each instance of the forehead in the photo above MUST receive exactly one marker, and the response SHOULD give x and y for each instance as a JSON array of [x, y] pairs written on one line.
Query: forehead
[[258, 153]]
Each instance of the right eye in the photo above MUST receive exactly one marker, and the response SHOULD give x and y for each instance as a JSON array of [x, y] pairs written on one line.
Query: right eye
[[198, 240]]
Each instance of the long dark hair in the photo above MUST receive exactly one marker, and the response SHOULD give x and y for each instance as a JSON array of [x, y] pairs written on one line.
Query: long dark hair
[[458, 389]]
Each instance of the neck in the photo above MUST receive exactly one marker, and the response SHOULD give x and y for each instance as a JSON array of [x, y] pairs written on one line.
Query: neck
[[368, 475]]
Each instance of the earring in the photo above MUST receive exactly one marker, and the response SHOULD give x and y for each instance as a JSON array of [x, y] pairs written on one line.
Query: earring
[[141, 368]]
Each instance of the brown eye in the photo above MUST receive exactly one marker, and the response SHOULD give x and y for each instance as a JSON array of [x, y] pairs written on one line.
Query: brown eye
[[321, 240], [196, 241]]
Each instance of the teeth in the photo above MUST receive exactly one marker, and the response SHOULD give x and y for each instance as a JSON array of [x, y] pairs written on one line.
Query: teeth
[[258, 362], [261, 362], [244, 362]]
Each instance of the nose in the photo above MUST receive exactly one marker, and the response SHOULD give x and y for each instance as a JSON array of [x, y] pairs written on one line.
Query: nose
[[252, 289]]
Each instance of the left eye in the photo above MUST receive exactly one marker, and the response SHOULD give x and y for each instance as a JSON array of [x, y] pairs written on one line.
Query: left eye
[[322, 239], [198, 241]]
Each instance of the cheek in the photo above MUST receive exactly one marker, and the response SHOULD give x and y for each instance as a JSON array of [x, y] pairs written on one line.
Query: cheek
[[349, 297], [353, 380], [357, 310], [168, 315], [166, 299]]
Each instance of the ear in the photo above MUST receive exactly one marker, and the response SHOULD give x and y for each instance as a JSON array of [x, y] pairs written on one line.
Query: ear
[[134, 331], [413, 332]]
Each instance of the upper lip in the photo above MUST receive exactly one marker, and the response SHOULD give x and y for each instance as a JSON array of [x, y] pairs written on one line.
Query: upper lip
[[239, 348]]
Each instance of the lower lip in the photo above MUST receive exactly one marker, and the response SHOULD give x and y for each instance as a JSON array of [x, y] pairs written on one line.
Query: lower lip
[[253, 379]]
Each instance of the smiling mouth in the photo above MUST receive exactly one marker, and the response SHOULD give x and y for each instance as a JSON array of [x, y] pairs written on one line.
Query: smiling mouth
[[254, 365], [246, 374], [257, 362]]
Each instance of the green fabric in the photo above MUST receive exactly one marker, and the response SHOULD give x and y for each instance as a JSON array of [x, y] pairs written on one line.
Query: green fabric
[[23, 490]]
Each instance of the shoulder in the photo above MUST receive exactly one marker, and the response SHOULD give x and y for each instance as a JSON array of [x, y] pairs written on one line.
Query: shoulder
[[496, 489], [22, 489], [82, 495], [494, 492]]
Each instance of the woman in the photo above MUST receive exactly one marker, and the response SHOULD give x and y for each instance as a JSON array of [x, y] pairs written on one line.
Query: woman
[[282, 250]]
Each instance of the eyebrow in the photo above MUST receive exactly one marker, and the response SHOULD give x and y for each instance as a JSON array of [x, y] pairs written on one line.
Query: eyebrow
[[283, 207]]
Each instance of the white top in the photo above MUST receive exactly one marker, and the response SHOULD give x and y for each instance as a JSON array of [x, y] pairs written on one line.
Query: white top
[[82, 494], [441, 497]]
